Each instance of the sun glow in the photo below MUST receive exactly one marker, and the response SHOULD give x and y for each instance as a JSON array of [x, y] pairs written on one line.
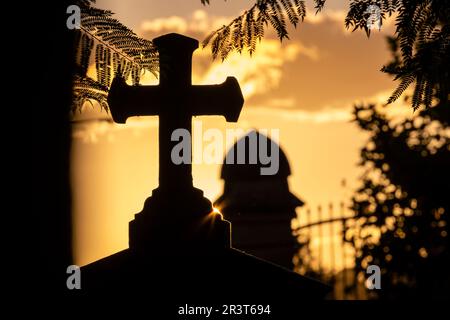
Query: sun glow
[[217, 212]]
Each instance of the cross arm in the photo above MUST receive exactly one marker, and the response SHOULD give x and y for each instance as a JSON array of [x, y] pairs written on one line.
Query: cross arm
[[223, 99], [126, 101]]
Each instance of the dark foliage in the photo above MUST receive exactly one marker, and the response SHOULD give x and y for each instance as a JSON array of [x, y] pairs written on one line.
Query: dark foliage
[[422, 36], [402, 207], [246, 30], [114, 48]]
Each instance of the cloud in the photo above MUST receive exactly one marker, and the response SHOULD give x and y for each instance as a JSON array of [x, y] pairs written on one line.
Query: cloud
[[340, 68], [322, 66], [301, 116], [94, 125], [199, 22], [93, 131], [396, 111], [281, 103], [177, 24], [333, 15], [257, 74]]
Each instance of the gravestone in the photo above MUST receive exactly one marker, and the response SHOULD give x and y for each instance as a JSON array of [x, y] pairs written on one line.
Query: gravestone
[[179, 247]]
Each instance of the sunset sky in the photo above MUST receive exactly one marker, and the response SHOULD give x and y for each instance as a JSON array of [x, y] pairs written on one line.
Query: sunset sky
[[305, 87]]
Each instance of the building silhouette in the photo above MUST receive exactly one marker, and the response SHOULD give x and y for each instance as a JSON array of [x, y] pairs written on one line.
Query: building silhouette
[[260, 207]]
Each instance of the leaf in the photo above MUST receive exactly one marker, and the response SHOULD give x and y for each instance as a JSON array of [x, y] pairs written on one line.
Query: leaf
[[404, 84]]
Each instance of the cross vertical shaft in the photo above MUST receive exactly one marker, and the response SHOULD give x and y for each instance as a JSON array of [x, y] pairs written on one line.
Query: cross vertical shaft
[[175, 63], [172, 176]]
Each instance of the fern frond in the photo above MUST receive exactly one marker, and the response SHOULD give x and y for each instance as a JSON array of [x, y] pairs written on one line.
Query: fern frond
[[277, 19], [245, 31], [418, 93], [86, 89], [117, 49], [428, 95], [318, 5], [404, 84], [291, 11]]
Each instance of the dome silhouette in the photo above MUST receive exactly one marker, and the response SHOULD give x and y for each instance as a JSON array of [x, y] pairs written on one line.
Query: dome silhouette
[[251, 169], [259, 207], [247, 189]]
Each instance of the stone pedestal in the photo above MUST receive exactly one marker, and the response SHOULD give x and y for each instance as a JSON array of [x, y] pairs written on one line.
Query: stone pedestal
[[178, 220]]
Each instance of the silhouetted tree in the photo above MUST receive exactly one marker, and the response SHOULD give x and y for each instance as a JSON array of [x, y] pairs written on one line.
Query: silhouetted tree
[[402, 207]]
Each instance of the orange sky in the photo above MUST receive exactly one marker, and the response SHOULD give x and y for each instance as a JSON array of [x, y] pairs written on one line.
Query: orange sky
[[305, 87]]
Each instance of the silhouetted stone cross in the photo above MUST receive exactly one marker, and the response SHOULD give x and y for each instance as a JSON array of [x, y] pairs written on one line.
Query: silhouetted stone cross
[[177, 214], [175, 100]]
